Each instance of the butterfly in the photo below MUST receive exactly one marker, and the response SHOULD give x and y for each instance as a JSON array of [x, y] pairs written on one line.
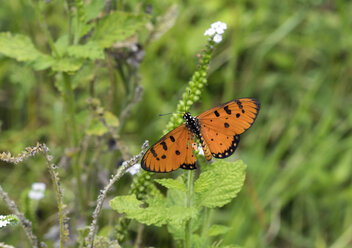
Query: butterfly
[[217, 129]]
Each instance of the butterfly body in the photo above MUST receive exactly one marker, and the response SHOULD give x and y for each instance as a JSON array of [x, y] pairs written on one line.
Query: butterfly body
[[194, 126], [218, 131]]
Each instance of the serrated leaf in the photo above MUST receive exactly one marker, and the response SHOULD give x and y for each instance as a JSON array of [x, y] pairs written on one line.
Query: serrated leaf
[[220, 183], [169, 183], [117, 26], [96, 128], [91, 50], [93, 8], [43, 62], [111, 119], [157, 213], [18, 46], [215, 230], [66, 64]]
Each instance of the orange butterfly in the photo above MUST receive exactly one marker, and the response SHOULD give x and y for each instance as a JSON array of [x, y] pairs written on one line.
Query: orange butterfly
[[218, 131]]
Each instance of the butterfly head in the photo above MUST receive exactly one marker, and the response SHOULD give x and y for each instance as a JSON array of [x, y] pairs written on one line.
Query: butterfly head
[[192, 123]]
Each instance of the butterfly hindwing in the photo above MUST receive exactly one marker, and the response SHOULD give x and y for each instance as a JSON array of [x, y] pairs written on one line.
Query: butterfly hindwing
[[222, 125], [171, 152], [220, 144]]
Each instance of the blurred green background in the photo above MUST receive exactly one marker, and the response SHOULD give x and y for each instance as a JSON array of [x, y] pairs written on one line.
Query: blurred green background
[[294, 56]]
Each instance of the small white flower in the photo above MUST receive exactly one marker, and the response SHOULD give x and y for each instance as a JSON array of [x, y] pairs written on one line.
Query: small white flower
[[38, 186], [134, 169], [219, 26], [209, 32], [37, 191], [3, 221], [217, 38], [35, 195]]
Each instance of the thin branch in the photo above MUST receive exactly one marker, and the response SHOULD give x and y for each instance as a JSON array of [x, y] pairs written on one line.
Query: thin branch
[[59, 197], [120, 172]]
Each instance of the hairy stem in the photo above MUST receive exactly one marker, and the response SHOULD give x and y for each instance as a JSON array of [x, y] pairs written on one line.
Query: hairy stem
[[59, 197], [120, 172]]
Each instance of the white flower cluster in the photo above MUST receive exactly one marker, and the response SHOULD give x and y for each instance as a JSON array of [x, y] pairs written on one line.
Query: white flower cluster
[[3, 221], [134, 169], [216, 30], [37, 191]]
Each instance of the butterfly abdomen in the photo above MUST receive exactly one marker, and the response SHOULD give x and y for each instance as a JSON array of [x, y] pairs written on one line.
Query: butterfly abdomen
[[207, 153]]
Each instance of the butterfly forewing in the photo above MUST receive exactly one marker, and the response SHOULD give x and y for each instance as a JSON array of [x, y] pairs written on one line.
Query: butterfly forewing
[[231, 118], [172, 151]]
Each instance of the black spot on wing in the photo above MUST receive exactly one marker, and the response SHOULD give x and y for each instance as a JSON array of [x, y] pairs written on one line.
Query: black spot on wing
[[239, 103], [172, 138], [177, 152], [164, 145], [216, 113], [226, 125], [153, 152], [227, 110]]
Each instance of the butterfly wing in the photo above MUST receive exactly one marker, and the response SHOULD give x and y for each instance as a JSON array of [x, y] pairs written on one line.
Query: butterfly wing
[[171, 152], [222, 125]]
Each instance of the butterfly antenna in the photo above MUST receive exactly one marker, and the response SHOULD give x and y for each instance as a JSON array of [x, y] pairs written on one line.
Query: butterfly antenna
[[165, 114]]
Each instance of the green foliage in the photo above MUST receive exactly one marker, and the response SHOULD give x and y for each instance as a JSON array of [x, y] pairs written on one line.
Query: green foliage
[[215, 187], [18, 46], [215, 230], [220, 183], [157, 213], [117, 27], [90, 50], [98, 128], [169, 183]]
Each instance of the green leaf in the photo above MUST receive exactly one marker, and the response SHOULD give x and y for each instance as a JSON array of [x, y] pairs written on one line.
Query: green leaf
[[93, 8], [43, 62], [111, 119], [18, 46], [157, 213], [169, 183], [91, 50], [220, 183], [117, 26], [66, 64], [215, 230], [97, 128]]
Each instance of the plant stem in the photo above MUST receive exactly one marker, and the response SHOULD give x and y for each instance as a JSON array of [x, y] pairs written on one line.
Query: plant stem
[[44, 26], [206, 222], [188, 204], [71, 108], [59, 197]]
